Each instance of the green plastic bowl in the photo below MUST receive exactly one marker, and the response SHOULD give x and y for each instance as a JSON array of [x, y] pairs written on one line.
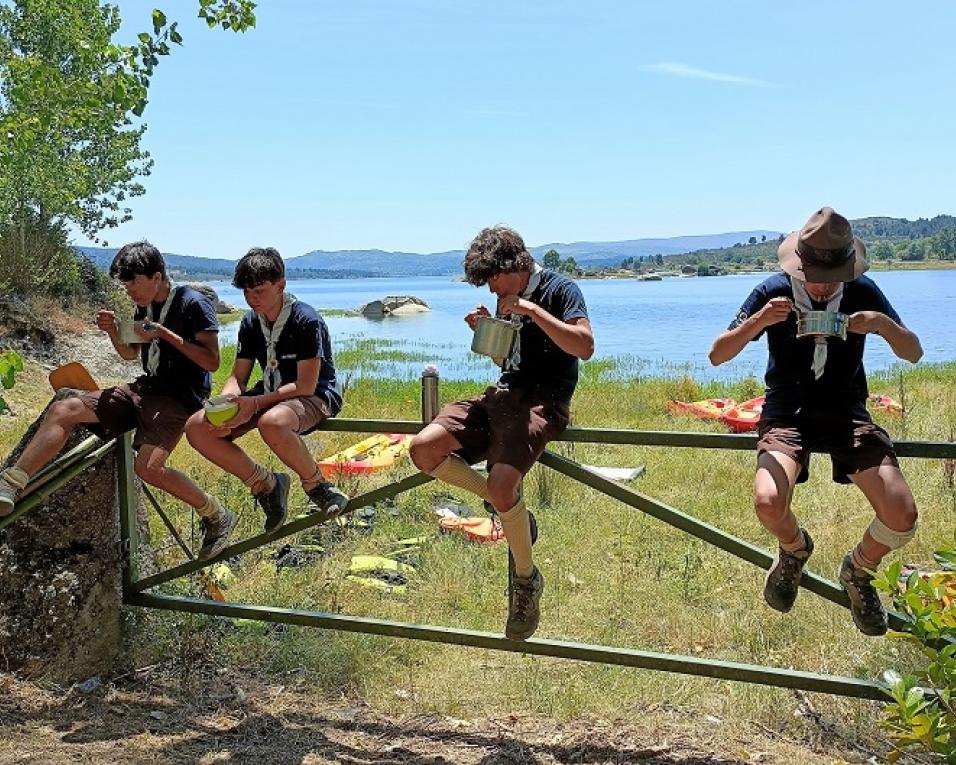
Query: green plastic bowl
[[219, 410]]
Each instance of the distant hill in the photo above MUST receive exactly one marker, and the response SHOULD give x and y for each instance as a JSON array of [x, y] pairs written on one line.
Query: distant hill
[[874, 229], [885, 238], [346, 264], [609, 253], [210, 269], [385, 263]]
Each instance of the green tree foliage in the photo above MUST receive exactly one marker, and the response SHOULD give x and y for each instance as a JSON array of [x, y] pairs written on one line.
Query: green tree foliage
[[881, 251], [915, 250], [869, 229], [552, 260], [568, 265], [943, 244], [69, 142], [68, 148], [10, 364]]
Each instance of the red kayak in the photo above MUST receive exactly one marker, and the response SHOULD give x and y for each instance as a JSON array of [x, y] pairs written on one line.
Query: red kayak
[[744, 417]]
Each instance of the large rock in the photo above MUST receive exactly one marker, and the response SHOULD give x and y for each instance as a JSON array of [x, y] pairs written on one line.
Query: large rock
[[394, 305], [213, 297], [61, 613]]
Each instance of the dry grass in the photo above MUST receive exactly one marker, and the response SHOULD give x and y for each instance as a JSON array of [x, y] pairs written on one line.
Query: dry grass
[[249, 718]]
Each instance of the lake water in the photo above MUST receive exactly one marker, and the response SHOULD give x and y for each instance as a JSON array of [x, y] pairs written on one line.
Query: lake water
[[652, 328]]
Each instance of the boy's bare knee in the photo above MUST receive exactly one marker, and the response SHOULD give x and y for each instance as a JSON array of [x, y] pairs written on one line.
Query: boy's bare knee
[[769, 505]]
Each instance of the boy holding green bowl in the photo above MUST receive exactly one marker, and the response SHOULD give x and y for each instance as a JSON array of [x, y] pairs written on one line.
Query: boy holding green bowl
[[291, 344]]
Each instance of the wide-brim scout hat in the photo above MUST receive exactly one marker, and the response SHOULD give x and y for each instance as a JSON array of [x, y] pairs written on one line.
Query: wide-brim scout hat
[[824, 250]]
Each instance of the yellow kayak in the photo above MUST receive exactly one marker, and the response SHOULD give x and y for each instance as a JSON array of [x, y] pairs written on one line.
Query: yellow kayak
[[367, 456]]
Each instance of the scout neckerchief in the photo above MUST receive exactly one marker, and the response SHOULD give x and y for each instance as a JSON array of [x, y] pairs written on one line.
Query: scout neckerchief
[[271, 379], [152, 357], [802, 300], [533, 281]]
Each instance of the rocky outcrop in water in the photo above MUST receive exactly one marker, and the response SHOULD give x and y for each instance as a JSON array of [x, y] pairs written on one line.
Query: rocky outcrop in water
[[394, 305]]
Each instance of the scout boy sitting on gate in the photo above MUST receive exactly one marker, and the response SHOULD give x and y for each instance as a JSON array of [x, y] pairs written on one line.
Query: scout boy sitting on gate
[[297, 393], [816, 401], [511, 422], [179, 348]]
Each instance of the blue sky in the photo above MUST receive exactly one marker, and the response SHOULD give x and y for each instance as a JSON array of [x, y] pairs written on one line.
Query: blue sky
[[409, 125]]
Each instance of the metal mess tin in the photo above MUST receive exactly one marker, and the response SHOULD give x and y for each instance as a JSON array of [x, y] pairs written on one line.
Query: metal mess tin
[[821, 324], [494, 337]]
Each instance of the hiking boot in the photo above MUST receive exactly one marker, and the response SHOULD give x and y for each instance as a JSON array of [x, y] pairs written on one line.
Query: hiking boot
[[868, 614], [783, 579], [275, 503], [524, 605], [328, 499], [215, 533]]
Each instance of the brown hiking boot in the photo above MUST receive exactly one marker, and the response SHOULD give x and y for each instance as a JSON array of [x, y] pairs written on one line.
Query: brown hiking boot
[[215, 533], [868, 613], [275, 503], [524, 601], [783, 578]]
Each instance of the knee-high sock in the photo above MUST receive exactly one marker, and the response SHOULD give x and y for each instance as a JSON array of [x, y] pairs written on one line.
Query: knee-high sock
[[457, 472], [517, 530]]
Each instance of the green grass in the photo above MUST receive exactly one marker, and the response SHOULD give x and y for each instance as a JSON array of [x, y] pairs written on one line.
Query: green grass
[[614, 576]]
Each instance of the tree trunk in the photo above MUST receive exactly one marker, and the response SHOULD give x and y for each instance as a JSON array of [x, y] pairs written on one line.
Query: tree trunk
[[61, 577]]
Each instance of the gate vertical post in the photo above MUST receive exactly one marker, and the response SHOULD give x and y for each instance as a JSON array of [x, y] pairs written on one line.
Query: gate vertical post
[[127, 502]]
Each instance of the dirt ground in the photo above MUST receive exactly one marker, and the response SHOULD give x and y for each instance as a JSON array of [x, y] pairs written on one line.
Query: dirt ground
[[151, 719]]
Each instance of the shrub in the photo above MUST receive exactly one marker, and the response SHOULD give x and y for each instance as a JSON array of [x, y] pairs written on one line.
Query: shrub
[[922, 715]]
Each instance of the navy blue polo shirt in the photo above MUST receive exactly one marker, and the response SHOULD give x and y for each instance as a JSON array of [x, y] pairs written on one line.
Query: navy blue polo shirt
[[536, 360], [791, 388], [304, 336], [177, 376]]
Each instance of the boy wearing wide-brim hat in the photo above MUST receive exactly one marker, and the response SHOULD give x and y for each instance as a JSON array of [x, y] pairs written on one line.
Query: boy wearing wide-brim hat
[[816, 401]]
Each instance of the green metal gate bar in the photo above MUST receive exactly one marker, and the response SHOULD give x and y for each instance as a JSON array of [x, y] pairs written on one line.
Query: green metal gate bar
[[685, 665], [59, 473], [613, 436]]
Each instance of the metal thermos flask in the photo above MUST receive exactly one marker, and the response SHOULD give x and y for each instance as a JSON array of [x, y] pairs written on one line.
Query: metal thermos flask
[[429, 393]]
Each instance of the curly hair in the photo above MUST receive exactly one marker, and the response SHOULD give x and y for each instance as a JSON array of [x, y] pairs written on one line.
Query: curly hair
[[496, 250], [137, 258], [260, 264]]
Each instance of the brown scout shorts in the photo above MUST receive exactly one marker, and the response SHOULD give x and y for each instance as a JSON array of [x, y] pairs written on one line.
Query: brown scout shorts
[[159, 420], [506, 426], [853, 445], [312, 411]]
